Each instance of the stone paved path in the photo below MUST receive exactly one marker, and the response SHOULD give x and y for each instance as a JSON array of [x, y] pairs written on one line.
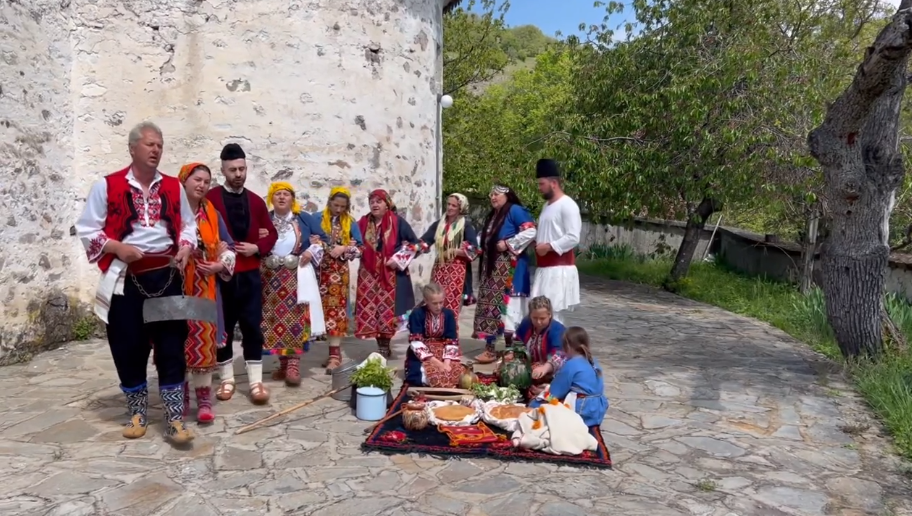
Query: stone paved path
[[712, 414]]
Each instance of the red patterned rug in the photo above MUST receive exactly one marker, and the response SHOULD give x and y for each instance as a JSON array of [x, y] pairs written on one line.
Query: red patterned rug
[[391, 437]]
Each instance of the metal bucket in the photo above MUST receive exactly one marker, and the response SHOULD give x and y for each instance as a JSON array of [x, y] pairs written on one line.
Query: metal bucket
[[341, 376]]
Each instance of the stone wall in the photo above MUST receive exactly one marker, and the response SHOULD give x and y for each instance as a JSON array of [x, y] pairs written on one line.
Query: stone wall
[[319, 93]]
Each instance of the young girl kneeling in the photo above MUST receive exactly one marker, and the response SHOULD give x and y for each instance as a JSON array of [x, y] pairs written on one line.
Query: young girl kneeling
[[580, 375]]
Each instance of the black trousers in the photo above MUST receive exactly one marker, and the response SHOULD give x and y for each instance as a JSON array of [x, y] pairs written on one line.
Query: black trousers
[[242, 304], [129, 337]]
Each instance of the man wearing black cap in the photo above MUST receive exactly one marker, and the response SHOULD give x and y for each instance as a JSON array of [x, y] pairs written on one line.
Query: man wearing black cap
[[559, 227], [245, 214]]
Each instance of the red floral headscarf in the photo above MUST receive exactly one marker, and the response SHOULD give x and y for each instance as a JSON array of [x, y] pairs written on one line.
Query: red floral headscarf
[[388, 226]]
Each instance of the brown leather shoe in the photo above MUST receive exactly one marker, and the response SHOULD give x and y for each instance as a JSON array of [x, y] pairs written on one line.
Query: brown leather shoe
[[259, 394]]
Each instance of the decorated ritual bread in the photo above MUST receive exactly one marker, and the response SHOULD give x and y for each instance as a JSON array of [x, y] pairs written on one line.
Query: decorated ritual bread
[[500, 414], [451, 413]]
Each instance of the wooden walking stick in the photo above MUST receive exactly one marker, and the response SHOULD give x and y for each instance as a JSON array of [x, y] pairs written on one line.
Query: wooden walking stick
[[384, 420], [289, 410]]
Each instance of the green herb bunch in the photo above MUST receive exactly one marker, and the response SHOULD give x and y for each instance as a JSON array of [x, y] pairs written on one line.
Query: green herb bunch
[[373, 374]]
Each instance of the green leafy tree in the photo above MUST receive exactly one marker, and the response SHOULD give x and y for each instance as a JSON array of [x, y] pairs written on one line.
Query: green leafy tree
[[472, 48], [498, 135], [699, 110]]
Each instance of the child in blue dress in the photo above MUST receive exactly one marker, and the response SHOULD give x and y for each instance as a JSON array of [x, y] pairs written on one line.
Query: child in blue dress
[[580, 374]]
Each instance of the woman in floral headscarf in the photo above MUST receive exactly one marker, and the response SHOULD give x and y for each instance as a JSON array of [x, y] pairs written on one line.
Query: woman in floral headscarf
[[212, 257], [385, 290], [344, 245], [290, 304], [503, 272], [456, 243]]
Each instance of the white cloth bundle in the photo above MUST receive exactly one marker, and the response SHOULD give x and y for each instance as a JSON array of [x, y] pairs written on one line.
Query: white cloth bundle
[[561, 432]]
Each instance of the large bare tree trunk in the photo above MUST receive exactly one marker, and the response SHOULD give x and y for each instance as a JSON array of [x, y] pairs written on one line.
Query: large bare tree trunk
[[857, 146], [696, 221]]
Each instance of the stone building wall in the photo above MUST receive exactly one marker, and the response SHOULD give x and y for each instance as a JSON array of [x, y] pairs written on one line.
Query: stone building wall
[[319, 93]]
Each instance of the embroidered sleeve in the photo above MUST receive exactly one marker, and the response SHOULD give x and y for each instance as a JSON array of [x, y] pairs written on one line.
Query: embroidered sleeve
[[521, 241], [573, 225], [451, 350], [316, 252], [90, 226], [412, 244], [557, 359], [228, 259], [188, 222], [420, 349]]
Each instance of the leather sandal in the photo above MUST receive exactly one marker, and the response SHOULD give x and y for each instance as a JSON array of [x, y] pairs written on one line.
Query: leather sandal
[[225, 391], [259, 394]]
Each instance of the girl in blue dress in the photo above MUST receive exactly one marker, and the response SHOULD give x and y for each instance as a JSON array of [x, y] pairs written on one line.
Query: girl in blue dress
[[581, 375]]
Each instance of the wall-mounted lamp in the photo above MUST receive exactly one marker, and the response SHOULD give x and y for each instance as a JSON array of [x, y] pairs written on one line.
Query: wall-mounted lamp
[[446, 101]]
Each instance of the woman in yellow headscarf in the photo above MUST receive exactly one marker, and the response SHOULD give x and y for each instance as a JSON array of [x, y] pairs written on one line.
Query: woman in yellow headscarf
[[287, 324], [212, 257], [344, 245]]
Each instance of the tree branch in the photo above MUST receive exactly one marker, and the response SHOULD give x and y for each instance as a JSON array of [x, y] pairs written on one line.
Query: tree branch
[[875, 75]]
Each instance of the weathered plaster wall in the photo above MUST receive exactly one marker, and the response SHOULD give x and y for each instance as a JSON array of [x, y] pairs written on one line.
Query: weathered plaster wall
[[319, 93], [39, 194]]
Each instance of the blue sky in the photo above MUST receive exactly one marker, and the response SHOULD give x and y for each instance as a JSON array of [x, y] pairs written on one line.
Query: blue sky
[[558, 15]]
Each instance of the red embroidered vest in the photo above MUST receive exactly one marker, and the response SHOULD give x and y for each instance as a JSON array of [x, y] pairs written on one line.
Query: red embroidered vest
[[122, 213]]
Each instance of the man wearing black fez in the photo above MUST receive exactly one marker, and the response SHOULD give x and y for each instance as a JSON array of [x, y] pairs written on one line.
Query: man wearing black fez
[[247, 217], [559, 227]]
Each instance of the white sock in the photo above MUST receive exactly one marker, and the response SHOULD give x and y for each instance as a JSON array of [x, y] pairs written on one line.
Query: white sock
[[226, 371], [203, 379], [255, 371], [335, 342]]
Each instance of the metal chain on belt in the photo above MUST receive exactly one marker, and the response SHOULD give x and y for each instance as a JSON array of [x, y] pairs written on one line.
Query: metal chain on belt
[[162, 291]]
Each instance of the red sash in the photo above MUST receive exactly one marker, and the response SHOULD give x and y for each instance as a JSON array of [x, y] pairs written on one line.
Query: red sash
[[553, 259]]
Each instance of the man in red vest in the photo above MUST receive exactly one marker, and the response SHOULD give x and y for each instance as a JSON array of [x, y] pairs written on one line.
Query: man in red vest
[[139, 228], [247, 218]]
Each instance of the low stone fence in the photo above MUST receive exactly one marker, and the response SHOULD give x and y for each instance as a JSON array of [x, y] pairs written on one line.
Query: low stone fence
[[742, 251]]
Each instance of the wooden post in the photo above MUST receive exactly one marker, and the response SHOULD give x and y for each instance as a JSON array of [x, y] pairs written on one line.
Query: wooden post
[[808, 250]]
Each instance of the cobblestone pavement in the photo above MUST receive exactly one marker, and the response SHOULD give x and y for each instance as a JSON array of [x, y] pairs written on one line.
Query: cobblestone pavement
[[711, 414]]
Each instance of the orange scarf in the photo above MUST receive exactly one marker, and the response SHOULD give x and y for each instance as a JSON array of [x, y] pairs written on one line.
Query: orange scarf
[[208, 228]]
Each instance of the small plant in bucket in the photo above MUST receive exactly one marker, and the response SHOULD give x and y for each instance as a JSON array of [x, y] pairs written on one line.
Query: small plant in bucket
[[373, 374]]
